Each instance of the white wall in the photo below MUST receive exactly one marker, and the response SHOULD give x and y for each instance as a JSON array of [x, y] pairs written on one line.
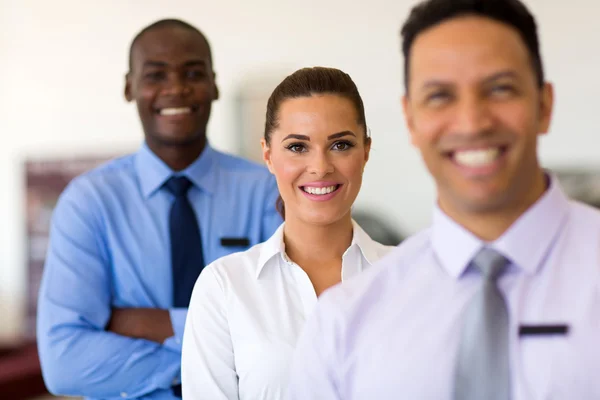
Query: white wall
[[62, 66]]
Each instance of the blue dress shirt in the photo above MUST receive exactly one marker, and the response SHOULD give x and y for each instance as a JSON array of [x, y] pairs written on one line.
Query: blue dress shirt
[[109, 247]]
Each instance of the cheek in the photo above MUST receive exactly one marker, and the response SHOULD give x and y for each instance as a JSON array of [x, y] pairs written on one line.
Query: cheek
[[203, 91], [428, 129], [520, 121], [146, 96], [287, 170], [351, 167]]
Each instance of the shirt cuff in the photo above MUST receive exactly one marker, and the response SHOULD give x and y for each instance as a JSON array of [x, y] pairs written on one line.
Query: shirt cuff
[[178, 317]]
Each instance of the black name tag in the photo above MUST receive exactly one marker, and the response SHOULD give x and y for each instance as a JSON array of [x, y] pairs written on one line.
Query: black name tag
[[543, 330], [235, 242]]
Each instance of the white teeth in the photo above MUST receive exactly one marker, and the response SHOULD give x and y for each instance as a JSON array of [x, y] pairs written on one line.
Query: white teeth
[[175, 111], [477, 158], [319, 190]]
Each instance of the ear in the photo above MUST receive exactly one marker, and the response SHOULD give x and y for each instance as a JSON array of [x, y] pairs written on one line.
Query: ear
[[127, 92], [266, 154], [368, 142], [546, 107], [215, 87], [409, 117]]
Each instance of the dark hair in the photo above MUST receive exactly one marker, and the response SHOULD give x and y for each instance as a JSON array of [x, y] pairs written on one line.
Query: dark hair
[[511, 12], [168, 23], [308, 82]]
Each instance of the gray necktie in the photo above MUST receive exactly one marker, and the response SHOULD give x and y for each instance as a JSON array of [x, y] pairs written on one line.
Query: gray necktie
[[482, 369]]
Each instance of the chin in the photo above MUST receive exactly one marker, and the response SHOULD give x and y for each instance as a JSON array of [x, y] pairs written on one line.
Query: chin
[[488, 203], [178, 138], [322, 219]]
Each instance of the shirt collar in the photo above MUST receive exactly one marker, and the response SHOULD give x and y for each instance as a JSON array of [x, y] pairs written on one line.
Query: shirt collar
[[152, 172], [270, 248], [361, 241], [525, 243]]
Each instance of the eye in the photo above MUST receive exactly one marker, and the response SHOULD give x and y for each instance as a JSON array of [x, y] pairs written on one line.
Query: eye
[[154, 76], [342, 145], [296, 148], [436, 99], [196, 74], [503, 90]]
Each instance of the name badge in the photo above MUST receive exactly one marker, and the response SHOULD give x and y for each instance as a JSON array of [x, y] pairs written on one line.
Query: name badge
[[235, 242], [543, 330]]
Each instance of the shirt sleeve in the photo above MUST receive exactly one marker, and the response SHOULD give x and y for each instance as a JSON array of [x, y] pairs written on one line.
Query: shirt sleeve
[[208, 364], [178, 317], [78, 356], [316, 361], [271, 218]]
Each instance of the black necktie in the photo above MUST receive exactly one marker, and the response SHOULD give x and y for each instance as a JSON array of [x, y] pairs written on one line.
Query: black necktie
[[187, 260]]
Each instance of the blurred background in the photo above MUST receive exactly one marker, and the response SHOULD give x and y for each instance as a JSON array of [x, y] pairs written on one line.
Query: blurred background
[[62, 108]]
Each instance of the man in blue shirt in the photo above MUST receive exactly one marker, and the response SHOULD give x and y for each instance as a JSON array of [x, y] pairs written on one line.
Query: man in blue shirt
[[109, 322]]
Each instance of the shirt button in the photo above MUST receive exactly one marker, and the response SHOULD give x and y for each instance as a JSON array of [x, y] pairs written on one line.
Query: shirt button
[[123, 394]]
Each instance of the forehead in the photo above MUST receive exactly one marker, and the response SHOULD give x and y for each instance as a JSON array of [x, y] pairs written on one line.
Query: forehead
[[317, 113], [170, 45], [467, 48]]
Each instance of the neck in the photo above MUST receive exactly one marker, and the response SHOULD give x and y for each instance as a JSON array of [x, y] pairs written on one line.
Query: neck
[[313, 245], [177, 156], [491, 224]]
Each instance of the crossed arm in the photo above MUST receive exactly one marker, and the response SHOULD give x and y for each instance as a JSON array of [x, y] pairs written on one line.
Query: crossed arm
[[86, 347]]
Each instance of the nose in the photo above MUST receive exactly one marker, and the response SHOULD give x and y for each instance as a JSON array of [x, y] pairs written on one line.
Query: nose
[[176, 85], [473, 116], [320, 165]]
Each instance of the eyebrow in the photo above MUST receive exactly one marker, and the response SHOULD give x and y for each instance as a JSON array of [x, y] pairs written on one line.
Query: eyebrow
[[501, 74], [190, 63], [491, 78], [330, 137]]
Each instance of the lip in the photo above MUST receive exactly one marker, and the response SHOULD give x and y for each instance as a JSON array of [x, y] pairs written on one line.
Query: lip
[[193, 107], [485, 171], [319, 184], [321, 197], [502, 146]]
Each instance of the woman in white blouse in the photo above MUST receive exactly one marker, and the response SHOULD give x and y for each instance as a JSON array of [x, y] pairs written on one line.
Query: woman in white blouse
[[247, 309]]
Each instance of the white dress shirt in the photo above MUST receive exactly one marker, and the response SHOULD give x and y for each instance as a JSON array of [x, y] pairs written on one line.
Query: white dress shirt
[[246, 312], [394, 334]]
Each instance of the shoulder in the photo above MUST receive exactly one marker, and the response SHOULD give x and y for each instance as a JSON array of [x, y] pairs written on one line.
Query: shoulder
[[245, 181], [243, 178], [584, 215], [91, 188], [583, 234], [237, 164], [102, 178]]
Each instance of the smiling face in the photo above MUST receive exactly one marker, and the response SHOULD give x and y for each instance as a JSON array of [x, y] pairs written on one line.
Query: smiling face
[[173, 84], [475, 111], [317, 153]]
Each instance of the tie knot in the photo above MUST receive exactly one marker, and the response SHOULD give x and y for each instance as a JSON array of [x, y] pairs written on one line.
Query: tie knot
[[490, 263], [178, 185]]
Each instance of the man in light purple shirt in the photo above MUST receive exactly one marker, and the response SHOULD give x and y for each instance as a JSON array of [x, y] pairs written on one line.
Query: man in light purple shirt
[[500, 297]]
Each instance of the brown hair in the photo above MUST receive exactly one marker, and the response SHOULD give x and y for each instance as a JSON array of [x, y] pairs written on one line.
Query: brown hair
[[308, 82]]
